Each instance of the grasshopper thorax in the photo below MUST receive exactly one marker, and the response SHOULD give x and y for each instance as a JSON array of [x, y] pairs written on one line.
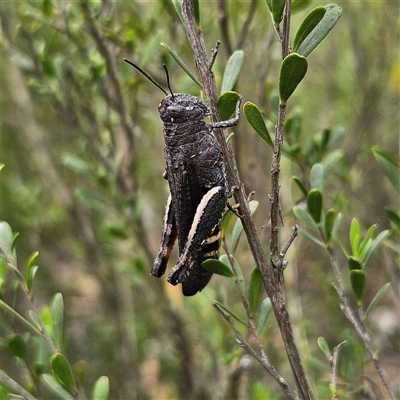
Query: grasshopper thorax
[[178, 108]]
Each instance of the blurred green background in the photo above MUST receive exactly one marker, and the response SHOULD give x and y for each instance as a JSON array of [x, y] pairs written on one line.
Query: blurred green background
[[82, 145]]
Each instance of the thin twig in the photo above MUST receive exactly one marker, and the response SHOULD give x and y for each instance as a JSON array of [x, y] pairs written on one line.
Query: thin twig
[[214, 55], [18, 388], [358, 326], [290, 241], [263, 360], [335, 357]]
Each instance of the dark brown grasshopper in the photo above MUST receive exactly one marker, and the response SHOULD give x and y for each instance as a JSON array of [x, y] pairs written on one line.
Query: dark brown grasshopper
[[195, 171]]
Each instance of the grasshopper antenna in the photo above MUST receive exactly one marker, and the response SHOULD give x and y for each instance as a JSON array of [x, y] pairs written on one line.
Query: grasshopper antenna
[[149, 77], [168, 84]]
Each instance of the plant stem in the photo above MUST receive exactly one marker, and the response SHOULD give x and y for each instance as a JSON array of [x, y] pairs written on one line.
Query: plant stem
[[18, 388], [358, 326]]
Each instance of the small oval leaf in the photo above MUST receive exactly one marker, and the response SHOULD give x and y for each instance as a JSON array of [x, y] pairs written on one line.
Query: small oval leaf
[[323, 345], [17, 345], [314, 204], [6, 240], [353, 263], [57, 314], [305, 45], [55, 387], [265, 310], [300, 184], [394, 215], [390, 165], [62, 372], [276, 9], [255, 286], [239, 278], [101, 389], [178, 9], [307, 25], [232, 71], [354, 235], [255, 119], [329, 222], [317, 177], [238, 228], [357, 281], [293, 70], [217, 267], [226, 220], [303, 216], [227, 105]]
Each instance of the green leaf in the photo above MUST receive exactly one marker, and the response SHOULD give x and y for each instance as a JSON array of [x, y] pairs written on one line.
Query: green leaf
[[312, 238], [75, 163], [175, 56], [255, 119], [357, 281], [215, 302], [367, 239], [293, 125], [57, 314], [329, 222], [353, 263], [55, 387], [300, 184], [314, 204], [321, 24], [393, 214], [62, 372], [31, 272], [303, 216], [265, 310], [293, 70], [323, 345], [6, 240], [232, 71], [4, 395], [226, 219], [116, 230], [238, 278], [101, 389], [255, 286], [227, 105], [17, 345], [317, 177], [382, 291], [307, 25], [390, 165], [355, 232], [178, 9], [276, 8], [13, 244], [217, 267], [364, 257], [90, 198], [196, 9], [238, 228]]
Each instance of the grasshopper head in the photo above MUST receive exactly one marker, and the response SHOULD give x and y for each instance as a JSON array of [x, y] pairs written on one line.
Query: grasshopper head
[[179, 108]]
